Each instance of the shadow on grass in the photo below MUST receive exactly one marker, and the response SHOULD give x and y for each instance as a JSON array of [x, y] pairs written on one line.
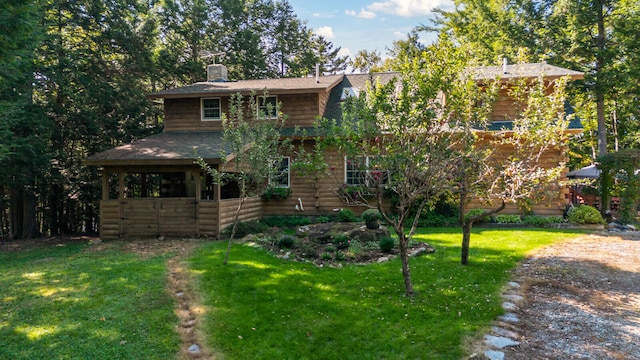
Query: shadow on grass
[[62, 302], [263, 307]]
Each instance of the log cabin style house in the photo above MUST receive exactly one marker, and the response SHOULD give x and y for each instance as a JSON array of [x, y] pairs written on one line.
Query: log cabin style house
[[152, 187]]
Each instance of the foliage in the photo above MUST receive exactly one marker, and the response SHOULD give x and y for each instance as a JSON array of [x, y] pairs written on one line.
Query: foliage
[[371, 215], [346, 215], [264, 299], [386, 244], [621, 168], [323, 219], [507, 219], [435, 219], [86, 303], [481, 214], [244, 228], [286, 241], [341, 241], [584, 214], [276, 193], [284, 221], [541, 221]]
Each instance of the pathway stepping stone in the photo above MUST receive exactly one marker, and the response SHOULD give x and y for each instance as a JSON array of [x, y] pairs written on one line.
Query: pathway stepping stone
[[499, 342]]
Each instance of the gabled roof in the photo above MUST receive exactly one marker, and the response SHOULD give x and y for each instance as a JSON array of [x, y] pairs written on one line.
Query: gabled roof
[[523, 71], [174, 148], [274, 86]]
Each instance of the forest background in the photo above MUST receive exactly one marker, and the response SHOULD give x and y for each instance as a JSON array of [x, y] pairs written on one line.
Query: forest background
[[74, 75]]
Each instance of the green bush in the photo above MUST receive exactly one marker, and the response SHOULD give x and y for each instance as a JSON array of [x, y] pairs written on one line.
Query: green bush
[[340, 256], [537, 220], [323, 219], [585, 214], [245, 228], [386, 244], [284, 221], [434, 219], [346, 215], [276, 193], [341, 241], [508, 219], [286, 242], [371, 215], [476, 212]]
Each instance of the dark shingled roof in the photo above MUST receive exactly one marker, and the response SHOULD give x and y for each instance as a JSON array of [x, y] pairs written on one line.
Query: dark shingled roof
[[176, 148], [358, 81], [274, 86], [523, 71]]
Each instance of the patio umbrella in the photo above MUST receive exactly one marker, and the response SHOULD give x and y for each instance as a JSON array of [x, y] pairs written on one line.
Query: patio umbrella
[[588, 172]]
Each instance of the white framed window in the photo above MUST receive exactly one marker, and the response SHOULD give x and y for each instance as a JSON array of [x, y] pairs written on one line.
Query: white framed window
[[210, 109], [283, 174], [268, 107], [362, 170]]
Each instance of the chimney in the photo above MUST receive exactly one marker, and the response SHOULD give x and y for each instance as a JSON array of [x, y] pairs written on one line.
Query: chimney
[[216, 73], [504, 65], [317, 73]]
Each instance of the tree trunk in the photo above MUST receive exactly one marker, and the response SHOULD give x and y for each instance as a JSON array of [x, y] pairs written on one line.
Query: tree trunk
[[466, 240], [29, 223], [599, 90], [233, 228], [404, 257]]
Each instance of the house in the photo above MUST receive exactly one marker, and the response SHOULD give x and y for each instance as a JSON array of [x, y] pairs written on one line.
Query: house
[[152, 186]]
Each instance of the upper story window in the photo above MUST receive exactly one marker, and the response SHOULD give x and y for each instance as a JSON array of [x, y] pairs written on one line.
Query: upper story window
[[268, 107], [210, 109], [283, 177]]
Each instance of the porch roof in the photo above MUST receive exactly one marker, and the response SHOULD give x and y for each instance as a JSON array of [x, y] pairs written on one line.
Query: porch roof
[[166, 148]]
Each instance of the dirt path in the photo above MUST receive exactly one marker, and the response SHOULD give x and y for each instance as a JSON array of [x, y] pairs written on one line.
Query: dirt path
[[581, 301]]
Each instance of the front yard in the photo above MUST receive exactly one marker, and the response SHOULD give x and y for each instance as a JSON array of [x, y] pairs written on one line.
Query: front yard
[[107, 301]]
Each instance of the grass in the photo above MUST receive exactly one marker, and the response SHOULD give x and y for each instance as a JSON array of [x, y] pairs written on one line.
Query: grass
[[68, 303], [261, 307]]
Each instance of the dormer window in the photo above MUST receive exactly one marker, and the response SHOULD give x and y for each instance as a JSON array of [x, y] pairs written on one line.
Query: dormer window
[[210, 109], [268, 107]]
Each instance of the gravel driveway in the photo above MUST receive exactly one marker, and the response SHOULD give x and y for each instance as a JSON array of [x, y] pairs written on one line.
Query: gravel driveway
[[581, 301]]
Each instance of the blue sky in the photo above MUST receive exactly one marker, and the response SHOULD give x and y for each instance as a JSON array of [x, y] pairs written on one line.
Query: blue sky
[[366, 24]]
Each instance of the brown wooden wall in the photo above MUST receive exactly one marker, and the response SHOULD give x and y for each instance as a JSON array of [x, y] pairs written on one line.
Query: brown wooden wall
[[251, 210], [184, 114]]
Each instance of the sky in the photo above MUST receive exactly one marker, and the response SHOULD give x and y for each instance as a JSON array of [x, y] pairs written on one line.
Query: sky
[[355, 25]]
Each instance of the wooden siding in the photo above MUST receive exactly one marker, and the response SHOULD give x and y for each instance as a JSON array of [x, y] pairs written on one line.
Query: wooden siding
[[251, 210], [110, 219], [208, 218], [184, 114]]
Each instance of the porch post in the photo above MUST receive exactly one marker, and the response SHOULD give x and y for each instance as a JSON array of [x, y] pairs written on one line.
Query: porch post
[[105, 184], [120, 185]]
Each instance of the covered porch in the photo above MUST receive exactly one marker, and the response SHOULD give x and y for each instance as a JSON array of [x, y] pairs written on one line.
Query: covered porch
[[152, 187]]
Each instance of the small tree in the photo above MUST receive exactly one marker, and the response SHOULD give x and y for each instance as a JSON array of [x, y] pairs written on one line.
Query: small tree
[[253, 149], [518, 174], [622, 167], [401, 136]]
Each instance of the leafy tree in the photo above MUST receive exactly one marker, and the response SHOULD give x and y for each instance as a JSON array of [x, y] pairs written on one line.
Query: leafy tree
[[367, 61], [406, 130], [253, 140], [328, 57]]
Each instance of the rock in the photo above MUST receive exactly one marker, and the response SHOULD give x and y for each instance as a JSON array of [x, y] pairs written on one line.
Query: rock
[[179, 294], [303, 231], [504, 332], [287, 255], [513, 298], [499, 342], [161, 238], [194, 349], [494, 355], [509, 306], [629, 227], [514, 284], [383, 259], [509, 317]]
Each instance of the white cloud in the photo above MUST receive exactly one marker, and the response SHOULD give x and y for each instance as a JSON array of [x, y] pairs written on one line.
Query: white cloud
[[326, 32], [344, 51], [407, 8], [363, 14], [399, 35]]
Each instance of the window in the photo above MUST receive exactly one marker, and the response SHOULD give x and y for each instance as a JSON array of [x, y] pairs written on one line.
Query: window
[[282, 177], [268, 107], [210, 109], [363, 171]]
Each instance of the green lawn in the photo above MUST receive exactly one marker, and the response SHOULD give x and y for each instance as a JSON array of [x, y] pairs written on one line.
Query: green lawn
[[260, 307], [67, 303]]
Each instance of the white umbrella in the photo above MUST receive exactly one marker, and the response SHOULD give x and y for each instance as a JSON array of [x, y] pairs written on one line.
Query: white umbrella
[[588, 172]]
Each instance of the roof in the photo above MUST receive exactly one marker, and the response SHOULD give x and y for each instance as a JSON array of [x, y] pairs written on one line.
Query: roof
[[274, 86], [175, 148], [352, 81], [523, 71]]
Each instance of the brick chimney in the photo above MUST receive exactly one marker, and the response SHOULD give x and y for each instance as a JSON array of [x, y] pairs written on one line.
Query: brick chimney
[[216, 73]]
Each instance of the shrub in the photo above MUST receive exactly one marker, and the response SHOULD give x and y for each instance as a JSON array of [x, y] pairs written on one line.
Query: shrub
[[476, 212], [286, 242], [341, 241], [326, 256], [308, 251], [340, 256], [323, 219], [585, 214], [432, 218], [508, 219], [276, 193], [386, 244], [346, 215], [537, 220], [283, 221], [245, 228], [371, 215], [330, 249]]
